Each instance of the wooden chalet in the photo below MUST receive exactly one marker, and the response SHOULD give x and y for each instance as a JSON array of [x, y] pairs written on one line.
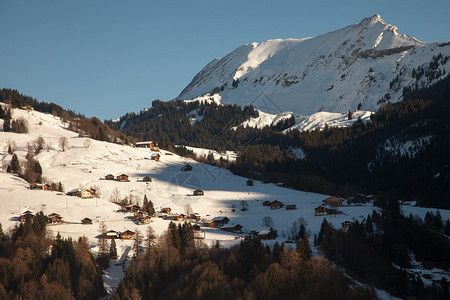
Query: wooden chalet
[[320, 211], [249, 182], [276, 204], [266, 203], [187, 167], [199, 193], [26, 215], [180, 217], [74, 192], [132, 208], [346, 225], [266, 235], [148, 144], [333, 201], [112, 234], [122, 178], [87, 193], [155, 156], [84, 135], [146, 179], [235, 229], [86, 221], [290, 207], [28, 108], [166, 210], [54, 218], [220, 221], [145, 220], [39, 186], [127, 235], [109, 177]]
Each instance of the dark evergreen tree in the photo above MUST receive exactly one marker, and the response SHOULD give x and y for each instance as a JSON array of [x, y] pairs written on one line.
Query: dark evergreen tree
[[15, 164], [113, 250]]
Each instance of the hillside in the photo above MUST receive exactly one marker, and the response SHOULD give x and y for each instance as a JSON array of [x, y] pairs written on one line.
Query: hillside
[[360, 66]]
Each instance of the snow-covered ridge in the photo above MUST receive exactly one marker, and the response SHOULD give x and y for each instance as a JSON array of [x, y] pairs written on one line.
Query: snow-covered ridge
[[361, 65]]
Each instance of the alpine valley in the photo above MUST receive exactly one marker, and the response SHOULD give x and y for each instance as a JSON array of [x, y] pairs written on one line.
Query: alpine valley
[[312, 168]]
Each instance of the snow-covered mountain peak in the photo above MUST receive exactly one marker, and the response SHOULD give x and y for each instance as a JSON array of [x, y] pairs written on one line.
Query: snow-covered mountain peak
[[359, 66]]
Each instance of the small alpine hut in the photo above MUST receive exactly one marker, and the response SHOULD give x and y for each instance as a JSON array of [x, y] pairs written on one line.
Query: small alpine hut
[[122, 178], [127, 235], [109, 177], [276, 204], [86, 221], [166, 210], [187, 167], [290, 207], [320, 211], [199, 193], [155, 156], [146, 179], [249, 182]]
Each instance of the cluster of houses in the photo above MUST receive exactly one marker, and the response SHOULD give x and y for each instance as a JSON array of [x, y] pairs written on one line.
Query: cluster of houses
[[125, 178], [120, 178], [39, 186], [277, 205], [53, 218], [139, 216], [126, 235], [82, 193]]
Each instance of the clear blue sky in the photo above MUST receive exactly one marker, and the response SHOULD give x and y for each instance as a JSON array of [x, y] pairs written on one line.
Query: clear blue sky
[[105, 58]]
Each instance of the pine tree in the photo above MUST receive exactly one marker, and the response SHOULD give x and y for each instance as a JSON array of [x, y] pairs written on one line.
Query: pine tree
[[15, 164], [304, 248], [151, 236], [113, 250], [137, 245]]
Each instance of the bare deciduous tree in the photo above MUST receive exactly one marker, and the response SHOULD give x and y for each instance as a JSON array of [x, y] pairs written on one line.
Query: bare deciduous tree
[[63, 143], [39, 144]]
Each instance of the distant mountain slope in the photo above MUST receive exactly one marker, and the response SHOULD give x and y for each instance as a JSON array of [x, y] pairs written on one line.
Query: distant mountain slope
[[365, 64]]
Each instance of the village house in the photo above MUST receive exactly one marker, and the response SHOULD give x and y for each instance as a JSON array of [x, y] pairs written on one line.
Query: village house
[[249, 182], [54, 218], [320, 211], [146, 179], [39, 186], [28, 108], [127, 235], [333, 201], [266, 234], [109, 177], [199, 193], [87, 193], [346, 225], [187, 167], [122, 178], [290, 207], [220, 221], [111, 234], [132, 208], [145, 220], [26, 215], [235, 229], [276, 204], [166, 210], [148, 144], [86, 221], [84, 135], [155, 156], [266, 203]]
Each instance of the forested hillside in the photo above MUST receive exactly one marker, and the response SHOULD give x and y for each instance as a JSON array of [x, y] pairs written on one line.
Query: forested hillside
[[403, 149]]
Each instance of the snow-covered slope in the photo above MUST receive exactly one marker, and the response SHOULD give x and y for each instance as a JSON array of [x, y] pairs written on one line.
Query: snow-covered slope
[[85, 164], [366, 63]]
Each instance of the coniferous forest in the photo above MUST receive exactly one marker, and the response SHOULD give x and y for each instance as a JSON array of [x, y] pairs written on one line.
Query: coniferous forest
[[341, 161], [36, 265]]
